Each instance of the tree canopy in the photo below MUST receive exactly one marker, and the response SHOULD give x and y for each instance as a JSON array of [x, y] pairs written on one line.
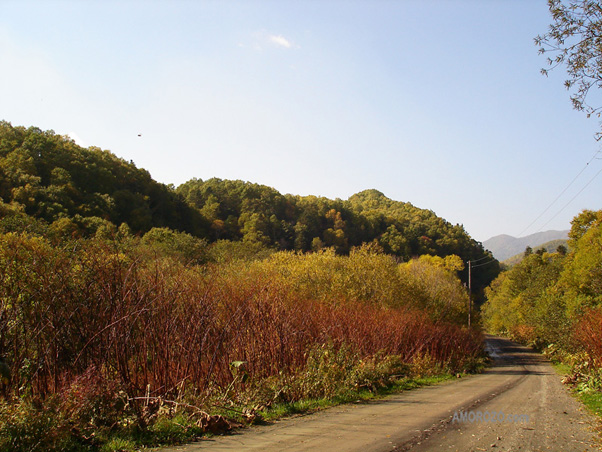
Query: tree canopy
[[49, 177], [543, 297], [49, 184]]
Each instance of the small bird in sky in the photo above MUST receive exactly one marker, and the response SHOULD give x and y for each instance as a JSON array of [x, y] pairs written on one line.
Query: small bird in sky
[[139, 134]]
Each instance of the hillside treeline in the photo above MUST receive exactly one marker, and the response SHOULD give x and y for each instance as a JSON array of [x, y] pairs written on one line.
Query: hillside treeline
[[50, 178], [554, 300], [46, 180]]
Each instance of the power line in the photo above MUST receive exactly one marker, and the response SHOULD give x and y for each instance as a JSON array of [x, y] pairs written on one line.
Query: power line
[[594, 157], [485, 263], [481, 259], [572, 199]]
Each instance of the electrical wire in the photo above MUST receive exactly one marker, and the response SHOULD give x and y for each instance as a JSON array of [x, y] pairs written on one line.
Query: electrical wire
[[484, 263], [594, 157], [572, 199], [481, 259]]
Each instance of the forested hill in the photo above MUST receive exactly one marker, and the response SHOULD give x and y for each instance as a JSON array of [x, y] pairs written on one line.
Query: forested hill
[[238, 210], [251, 212], [49, 178]]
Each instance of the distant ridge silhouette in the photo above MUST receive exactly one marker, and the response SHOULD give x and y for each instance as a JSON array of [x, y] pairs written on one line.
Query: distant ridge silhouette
[[504, 246]]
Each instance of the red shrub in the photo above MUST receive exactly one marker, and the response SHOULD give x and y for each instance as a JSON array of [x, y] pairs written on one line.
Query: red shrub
[[588, 334]]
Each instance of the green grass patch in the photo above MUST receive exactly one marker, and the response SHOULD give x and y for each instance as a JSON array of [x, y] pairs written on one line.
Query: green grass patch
[[592, 400], [119, 445], [561, 368], [586, 392], [305, 406]]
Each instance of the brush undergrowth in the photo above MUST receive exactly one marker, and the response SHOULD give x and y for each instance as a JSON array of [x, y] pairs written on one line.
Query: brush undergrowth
[[100, 417], [585, 382], [108, 346], [580, 362]]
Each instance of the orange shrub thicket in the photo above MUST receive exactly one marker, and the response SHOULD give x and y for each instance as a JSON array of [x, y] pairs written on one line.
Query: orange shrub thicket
[[588, 334], [156, 325]]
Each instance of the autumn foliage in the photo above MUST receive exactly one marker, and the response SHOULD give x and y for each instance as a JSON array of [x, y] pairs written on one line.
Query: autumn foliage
[[121, 297], [157, 325], [551, 298], [588, 333]]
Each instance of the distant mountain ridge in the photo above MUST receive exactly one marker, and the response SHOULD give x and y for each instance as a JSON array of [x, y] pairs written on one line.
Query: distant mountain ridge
[[505, 246], [550, 247]]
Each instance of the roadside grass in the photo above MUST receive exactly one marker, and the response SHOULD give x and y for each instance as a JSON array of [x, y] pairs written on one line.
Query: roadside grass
[[561, 368], [588, 393], [119, 444], [182, 429], [281, 410], [330, 379], [592, 400]]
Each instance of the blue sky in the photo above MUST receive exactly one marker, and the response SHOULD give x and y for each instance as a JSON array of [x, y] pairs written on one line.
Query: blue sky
[[437, 103]]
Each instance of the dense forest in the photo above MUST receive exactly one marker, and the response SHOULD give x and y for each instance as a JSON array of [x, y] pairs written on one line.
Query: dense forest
[[541, 298], [46, 180], [48, 177], [553, 300]]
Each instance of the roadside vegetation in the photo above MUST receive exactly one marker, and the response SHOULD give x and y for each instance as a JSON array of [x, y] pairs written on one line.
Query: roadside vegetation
[[116, 343], [553, 301]]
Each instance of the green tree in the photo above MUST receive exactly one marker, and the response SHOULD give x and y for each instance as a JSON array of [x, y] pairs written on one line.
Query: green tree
[[394, 242], [178, 245], [581, 280], [520, 301]]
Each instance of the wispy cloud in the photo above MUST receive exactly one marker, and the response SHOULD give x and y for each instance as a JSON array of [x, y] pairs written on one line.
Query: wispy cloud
[[263, 39], [280, 40]]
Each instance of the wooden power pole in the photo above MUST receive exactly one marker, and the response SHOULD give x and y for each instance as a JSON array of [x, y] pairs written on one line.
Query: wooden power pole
[[469, 290]]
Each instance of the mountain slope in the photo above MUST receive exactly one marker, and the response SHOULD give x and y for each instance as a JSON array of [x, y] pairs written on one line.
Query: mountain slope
[[505, 246], [550, 247]]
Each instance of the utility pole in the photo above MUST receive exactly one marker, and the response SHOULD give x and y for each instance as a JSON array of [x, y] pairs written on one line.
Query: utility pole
[[469, 291]]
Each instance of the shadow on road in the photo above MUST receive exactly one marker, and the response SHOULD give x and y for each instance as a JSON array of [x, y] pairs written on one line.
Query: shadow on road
[[513, 359]]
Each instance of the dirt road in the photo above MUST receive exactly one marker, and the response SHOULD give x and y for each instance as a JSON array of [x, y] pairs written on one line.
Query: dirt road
[[518, 404]]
